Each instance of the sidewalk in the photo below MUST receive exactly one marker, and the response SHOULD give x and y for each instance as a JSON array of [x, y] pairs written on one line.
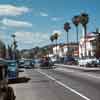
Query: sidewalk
[[22, 73], [77, 67], [20, 84]]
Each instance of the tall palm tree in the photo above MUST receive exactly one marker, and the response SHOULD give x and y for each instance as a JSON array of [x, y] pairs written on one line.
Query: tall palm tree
[[52, 39], [76, 21], [67, 28], [55, 36], [84, 18]]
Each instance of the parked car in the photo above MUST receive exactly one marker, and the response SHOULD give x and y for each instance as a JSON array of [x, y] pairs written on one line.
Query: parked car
[[32, 63], [28, 64], [6, 92], [88, 62], [21, 63], [12, 69], [69, 60]]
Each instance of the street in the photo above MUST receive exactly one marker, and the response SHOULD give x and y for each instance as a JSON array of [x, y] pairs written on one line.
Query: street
[[55, 84]]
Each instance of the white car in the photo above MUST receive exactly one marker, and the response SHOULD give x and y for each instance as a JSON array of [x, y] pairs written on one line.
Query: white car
[[88, 62]]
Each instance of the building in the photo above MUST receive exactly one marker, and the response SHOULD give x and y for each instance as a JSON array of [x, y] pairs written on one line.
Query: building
[[90, 47], [66, 49]]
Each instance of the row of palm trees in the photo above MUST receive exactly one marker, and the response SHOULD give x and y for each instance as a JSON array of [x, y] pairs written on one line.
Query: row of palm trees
[[76, 20]]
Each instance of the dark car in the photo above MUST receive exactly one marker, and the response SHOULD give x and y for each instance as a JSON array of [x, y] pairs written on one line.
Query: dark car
[[69, 60], [45, 63]]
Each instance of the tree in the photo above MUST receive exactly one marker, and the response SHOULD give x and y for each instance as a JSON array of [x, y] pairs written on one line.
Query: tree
[[84, 21], [55, 36], [52, 38], [67, 28], [76, 21]]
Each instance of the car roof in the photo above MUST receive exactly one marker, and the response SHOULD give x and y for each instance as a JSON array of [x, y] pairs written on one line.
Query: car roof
[[13, 61]]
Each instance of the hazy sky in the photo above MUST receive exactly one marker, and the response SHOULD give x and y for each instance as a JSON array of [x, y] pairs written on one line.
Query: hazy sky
[[33, 21]]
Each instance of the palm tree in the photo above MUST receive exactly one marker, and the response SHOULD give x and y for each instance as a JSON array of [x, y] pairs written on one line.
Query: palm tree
[[55, 36], [52, 38], [84, 21], [67, 28], [76, 21]]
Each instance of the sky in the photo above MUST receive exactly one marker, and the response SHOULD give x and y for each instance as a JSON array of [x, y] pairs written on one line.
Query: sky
[[34, 21]]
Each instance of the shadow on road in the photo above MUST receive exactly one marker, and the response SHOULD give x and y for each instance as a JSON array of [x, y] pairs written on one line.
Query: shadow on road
[[18, 80]]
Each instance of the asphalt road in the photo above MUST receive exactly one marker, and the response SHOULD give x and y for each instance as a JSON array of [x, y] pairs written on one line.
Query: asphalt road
[[57, 85]]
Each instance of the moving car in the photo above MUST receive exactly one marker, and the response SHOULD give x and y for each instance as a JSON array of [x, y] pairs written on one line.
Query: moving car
[[45, 63]]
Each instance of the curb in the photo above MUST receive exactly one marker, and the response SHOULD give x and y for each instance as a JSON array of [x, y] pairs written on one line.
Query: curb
[[77, 67]]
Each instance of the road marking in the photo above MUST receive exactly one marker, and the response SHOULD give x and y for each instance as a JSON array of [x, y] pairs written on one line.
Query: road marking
[[65, 86]]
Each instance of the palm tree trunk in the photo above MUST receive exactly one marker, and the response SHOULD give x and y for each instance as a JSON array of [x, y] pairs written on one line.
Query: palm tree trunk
[[56, 46], [77, 33], [67, 38], [85, 32], [67, 42]]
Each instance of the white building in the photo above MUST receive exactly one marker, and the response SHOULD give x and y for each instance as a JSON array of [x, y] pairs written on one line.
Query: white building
[[90, 46], [62, 50]]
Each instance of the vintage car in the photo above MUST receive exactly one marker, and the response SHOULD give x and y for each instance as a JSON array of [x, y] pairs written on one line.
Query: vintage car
[[6, 92]]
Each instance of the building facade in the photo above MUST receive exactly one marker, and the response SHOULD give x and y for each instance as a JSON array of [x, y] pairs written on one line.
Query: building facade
[[62, 50], [87, 47]]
